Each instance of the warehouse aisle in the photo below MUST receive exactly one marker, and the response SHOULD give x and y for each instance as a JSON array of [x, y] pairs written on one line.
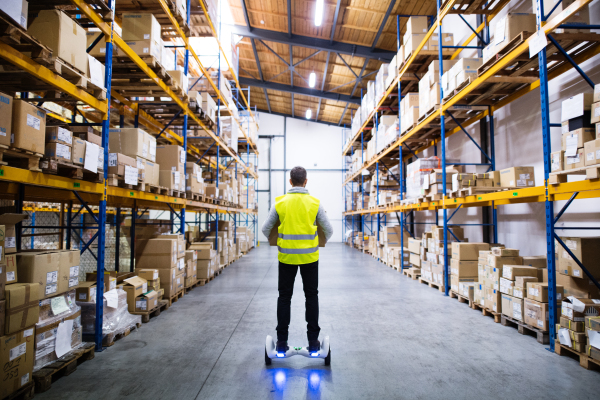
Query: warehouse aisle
[[391, 338]]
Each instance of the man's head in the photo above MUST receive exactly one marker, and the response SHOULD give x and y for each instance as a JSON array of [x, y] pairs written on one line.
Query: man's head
[[298, 177]]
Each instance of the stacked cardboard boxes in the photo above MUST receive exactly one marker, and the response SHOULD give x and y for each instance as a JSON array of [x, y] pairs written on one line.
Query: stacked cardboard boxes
[[172, 167], [133, 151], [463, 267], [570, 275], [578, 316]]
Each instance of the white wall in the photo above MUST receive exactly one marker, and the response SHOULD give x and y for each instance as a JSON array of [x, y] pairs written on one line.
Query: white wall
[[316, 147]]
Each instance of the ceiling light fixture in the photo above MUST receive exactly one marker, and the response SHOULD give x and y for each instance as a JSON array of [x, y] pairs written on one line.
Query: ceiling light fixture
[[308, 113], [319, 12], [312, 79]]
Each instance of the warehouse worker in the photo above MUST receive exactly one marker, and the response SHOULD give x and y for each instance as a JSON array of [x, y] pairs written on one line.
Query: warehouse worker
[[298, 246]]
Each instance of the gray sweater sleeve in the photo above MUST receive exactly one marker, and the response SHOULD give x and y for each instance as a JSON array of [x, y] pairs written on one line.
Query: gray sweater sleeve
[[270, 222], [324, 222]]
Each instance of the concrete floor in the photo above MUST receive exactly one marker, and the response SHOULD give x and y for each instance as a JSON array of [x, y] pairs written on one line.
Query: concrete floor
[[391, 338]]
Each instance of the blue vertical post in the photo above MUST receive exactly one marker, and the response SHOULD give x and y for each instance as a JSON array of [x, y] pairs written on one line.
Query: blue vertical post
[[443, 141], [132, 236], [117, 237], [68, 236], [493, 168], [400, 160], [33, 228], [549, 209], [102, 205], [377, 187], [185, 126]]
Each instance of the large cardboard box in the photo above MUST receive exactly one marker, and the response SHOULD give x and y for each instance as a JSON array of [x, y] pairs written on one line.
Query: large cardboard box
[[140, 26], [58, 151], [577, 309], [498, 261], [538, 291], [587, 251], [117, 163], [416, 24], [16, 357], [510, 25], [152, 173], [467, 251], [159, 254], [463, 268], [592, 152], [536, 314], [167, 281], [28, 127], [492, 299], [17, 10], [171, 157], [11, 268], [577, 287], [414, 245], [132, 142], [574, 162], [180, 243], [10, 237], [6, 111], [134, 287], [517, 177], [69, 268], [510, 272], [146, 302], [42, 267], [86, 291], [171, 180], [577, 138], [512, 307], [204, 269], [22, 306], [78, 151], [63, 35], [455, 281], [181, 79]]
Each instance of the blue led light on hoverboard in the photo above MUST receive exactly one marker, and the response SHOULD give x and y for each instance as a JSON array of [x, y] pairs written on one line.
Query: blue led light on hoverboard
[[314, 354], [280, 355]]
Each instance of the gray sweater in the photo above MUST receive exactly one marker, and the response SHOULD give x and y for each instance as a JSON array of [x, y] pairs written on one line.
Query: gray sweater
[[322, 219]]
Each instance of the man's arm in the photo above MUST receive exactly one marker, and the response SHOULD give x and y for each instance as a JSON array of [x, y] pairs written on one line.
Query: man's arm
[[270, 222], [324, 223]]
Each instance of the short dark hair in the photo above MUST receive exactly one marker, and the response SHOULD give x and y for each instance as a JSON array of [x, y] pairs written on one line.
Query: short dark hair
[[298, 176]]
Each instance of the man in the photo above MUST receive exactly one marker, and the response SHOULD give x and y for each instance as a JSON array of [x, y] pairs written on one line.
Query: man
[[298, 246]]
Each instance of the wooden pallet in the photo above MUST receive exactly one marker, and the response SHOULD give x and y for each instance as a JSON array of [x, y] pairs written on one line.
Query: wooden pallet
[[193, 196], [487, 312], [461, 298], [584, 360], [24, 393], [77, 77], [69, 170], [412, 273], [431, 284], [19, 158], [472, 191], [515, 42], [108, 341], [64, 366], [541, 336], [163, 305], [590, 172], [17, 37], [429, 112], [176, 297]]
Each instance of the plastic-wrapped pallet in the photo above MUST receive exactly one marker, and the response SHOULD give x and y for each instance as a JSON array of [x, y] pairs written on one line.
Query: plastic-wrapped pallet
[[380, 79], [416, 172], [116, 319], [59, 315]]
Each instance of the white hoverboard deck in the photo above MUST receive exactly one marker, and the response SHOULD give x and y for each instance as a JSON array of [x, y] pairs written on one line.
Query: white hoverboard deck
[[271, 352]]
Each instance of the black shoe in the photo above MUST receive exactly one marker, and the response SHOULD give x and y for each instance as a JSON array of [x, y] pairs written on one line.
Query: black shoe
[[282, 346], [314, 346]]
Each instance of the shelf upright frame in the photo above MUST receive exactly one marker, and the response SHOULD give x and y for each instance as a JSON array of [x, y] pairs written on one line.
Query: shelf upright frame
[[102, 205], [184, 133], [400, 159]]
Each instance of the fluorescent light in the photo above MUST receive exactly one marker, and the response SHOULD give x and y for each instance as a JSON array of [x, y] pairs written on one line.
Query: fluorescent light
[[308, 113], [312, 79], [319, 12]]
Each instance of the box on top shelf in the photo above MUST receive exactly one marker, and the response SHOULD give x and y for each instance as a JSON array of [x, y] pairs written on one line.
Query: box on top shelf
[[416, 24], [510, 25], [18, 11], [132, 142]]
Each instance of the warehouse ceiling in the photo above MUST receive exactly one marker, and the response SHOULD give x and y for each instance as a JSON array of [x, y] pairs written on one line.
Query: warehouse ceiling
[[281, 47]]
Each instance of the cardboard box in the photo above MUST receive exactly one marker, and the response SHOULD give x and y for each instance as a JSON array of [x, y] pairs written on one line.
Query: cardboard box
[[577, 309], [43, 268], [110, 280], [536, 314], [57, 134], [467, 251], [587, 251], [517, 177], [498, 261], [591, 150], [159, 254], [22, 306], [16, 357], [132, 142], [510, 272], [504, 252], [10, 240], [99, 50], [507, 286], [117, 163], [28, 127], [203, 269], [69, 268], [455, 281], [411, 42], [414, 245], [415, 260], [574, 162], [78, 151], [171, 157], [18, 11], [467, 289], [577, 138], [152, 173], [416, 24], [538, 291], [167, 278], [463, 268], [6, 111], [535, 261], [58, 151], [67, 39], [557, 161], [146, 302], [511, 25], [492, 299], [140, 26], [522, 281], [572, 325], [512, 307], [135, 287], [147, 274], [170, 179], [86, 291], [577, 287], [180, 243], [181, 79]]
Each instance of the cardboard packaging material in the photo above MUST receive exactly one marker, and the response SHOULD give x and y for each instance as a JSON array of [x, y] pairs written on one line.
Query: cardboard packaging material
[[507, 286], [557, 161], [10, 240], [467, 251], [42, 267], [118, 162], [504, 252], [134, 287], [587, 251], [171, 157], [492, 299], [180, 78], [159, 254], [535, 261], [22, 306], [58, 151], [498, 261], [522, 281], [572, 325], [57, 134], [509, 26], [577, 138], [180, 243], [28, 127], [78, 151], [577, 287], [512, 307], [463, 268], [516, 177], [510, 272], [140, 26], [132, 142], [577, 309], [536, 314], [455, 281], [538, 291], [6, 111], [592, 152], [110, 281], [167, 281], [69, 268], [147, 274], [172, 180], [17, 10], [146, 302], [86, 291], [416, 24], [574, 162], [67, 39], [16, 357]]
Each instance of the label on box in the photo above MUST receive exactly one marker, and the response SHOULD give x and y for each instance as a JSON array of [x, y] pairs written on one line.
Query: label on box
[[82, 296], [51, 289], [64, 135], [10, 241], [33, 122], [576, 273], [74, 271], [540, 323], [141, 304], [73, 282], [24, 378], [572, 107], [146, 36], [145, 287], [10, 276], [52, 277], [500, 29], [131, 175], [517, 311], [58, 305], [571, 149], [28, 332], [17, 352], [537, 43], [112, 159], [144, 150], [182, 157]]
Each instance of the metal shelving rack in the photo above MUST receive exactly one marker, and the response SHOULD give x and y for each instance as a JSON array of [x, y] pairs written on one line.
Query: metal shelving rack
[[548, 193], [20, 184]]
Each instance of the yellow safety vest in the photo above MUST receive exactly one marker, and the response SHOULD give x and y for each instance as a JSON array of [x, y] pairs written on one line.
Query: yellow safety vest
[[297, 241]]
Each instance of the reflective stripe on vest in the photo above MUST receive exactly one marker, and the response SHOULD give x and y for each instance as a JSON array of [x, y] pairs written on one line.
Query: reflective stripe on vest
[[297, 237], [298, 251]]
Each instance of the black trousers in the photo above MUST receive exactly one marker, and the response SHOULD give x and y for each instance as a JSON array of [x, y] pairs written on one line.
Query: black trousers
[[310, 280]]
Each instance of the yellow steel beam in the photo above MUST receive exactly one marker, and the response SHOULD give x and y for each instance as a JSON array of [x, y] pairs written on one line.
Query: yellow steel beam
[[27, 64], [58, 117], [174, 22], [25, 176], [117, 40]]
